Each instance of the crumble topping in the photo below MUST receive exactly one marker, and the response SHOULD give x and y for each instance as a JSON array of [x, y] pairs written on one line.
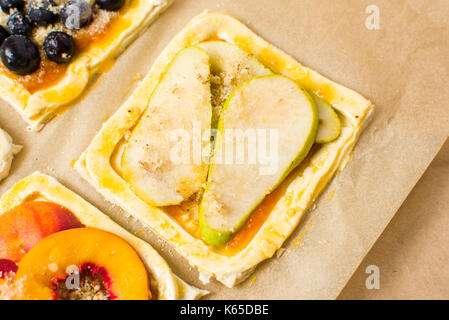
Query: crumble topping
[[224, 83], [9, 289], [151, 165], [91, 287], [189, 214], [40, 4]]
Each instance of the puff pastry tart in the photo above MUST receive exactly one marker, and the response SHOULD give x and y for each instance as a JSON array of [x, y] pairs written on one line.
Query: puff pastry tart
[[51, 49], [7, 152], [228, 206], [56, 246]]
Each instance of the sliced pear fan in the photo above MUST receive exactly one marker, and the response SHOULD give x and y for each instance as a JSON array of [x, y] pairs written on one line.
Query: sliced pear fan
[[218, 85], [234, 189], [154, 162]]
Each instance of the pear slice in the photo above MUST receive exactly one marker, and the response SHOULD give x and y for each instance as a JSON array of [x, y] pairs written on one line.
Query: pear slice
[[273, 107], [330, 124], [230, 67], [165, 157]]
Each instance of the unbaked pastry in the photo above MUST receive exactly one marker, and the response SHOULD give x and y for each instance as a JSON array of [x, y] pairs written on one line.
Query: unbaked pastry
[[283, 208], [38, 105], [39, 187]]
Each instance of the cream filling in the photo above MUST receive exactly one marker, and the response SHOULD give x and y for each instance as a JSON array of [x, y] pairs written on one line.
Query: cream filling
[[7, 152]]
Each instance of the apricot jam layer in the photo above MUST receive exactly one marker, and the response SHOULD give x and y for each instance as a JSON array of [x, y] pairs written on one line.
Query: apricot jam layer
[[49, 72], [47, 75], [189, 221]]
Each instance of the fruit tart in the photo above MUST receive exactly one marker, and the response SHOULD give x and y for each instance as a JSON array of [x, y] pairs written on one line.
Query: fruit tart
[[7, 152], [56, 246], [51, 49], [224, 146]]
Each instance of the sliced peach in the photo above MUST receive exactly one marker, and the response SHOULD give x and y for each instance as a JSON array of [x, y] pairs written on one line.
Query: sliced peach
[[48, 265], [24, 226]]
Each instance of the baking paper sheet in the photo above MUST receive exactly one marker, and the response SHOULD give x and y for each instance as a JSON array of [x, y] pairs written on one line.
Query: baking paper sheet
[[412, 253], [403, 67]]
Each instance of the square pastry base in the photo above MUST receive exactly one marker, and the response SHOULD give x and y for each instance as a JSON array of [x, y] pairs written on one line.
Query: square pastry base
[[303, 186]]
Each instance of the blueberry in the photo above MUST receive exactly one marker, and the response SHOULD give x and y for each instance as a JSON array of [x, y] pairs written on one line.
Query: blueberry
[[76, 14], [7, 5], [42, 12], [59, 47], [18, 23], [3, 34], [20, 55], [110, 5]]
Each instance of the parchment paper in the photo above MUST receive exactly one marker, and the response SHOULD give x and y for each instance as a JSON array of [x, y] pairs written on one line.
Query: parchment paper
[[403, 68], [412, 253]]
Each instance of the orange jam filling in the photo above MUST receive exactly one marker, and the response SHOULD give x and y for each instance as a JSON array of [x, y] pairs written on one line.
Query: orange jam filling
[[49, 72], [215, 38], [42, 245], [47, 75], [242, 238], [189, 221]]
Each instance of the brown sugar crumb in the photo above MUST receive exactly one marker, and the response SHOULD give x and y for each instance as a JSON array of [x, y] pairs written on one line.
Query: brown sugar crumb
[[187, 214], [224, 83], [151, 165], [91, 287]]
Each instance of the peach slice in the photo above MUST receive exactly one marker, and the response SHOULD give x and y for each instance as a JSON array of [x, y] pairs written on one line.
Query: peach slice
[[67, 253], [24, 226]]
